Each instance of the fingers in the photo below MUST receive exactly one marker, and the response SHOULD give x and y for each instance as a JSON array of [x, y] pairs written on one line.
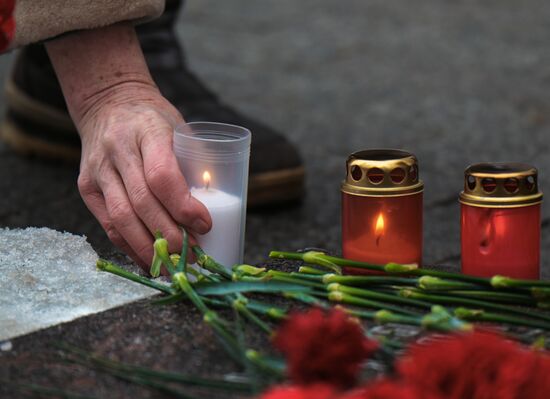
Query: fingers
[[123, 218], [96, 204], [147, 207], [132, 183], [163, 176]]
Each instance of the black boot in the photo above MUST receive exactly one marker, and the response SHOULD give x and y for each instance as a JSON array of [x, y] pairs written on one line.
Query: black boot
[[37, 121]]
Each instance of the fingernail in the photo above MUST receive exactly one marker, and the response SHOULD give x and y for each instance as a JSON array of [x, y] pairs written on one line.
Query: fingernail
[[200, 226]]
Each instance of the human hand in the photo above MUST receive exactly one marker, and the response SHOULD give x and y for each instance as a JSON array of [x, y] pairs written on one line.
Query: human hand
[[129, 176]]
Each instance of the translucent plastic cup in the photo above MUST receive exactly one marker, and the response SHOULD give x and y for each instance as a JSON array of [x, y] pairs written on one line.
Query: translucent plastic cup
[[214, 160]]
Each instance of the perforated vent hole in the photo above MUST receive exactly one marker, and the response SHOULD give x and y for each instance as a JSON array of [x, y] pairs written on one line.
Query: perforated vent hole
[[397, 175], [511, 185], [375, 175], [356, 173], [489, 185], [471, 182]]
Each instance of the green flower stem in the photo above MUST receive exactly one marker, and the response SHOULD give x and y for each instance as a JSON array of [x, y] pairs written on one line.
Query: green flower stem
[[181, 266], [123, 375], [342, 297], [281, 279], [110, 267], [144, 372], [497, 296], [540, 293], [211, 318], [180, 280], [432, 283], [308, 277], [317, 258], [508, 282], [310, 270], [269, 310], [440, 319], [240, 306], [269, 366], [362, 281], [385, 316], [362, 314], [359, 313], [392, 268], [284, 277], [311, 300], [307, 298], [207, 262], [260, 308], [246, 270], [364, 293], [42, 390], [170, 299], [228, 341], [154, 270], [474, 303], [174, 393], [479, 315], [314, 258], [437, 320], [176, 258], [160, 247]]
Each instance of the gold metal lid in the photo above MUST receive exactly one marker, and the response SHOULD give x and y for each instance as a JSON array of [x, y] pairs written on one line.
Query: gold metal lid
[[382, 172], [500, 185]]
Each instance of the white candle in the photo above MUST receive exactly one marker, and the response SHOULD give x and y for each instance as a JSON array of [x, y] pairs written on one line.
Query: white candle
[[223, 242]]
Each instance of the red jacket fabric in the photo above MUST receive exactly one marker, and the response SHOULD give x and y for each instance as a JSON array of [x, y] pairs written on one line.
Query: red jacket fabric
[[7, 23]]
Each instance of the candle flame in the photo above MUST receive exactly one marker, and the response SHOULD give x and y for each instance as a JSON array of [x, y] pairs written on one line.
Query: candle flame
[[206, 179], [380, 227]]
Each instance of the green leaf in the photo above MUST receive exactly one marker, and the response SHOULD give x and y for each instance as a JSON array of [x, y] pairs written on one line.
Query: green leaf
[[232, 287]]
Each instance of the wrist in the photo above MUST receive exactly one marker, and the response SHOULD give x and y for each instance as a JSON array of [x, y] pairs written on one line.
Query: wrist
[[98, 67], [130, 90]]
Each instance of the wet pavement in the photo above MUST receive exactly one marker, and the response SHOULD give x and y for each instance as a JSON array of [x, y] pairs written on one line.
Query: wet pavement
[[455, 82]]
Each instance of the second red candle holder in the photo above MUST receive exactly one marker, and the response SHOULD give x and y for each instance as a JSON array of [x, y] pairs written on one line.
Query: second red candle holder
[[382, 208], [501, 219]]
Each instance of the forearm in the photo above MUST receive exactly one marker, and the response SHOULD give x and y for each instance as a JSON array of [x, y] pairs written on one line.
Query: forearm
[[99, 63]]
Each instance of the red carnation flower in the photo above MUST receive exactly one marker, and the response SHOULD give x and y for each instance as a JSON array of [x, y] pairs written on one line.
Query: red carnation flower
[[316, 391], [478, 365], [388, 389], [321, 347]]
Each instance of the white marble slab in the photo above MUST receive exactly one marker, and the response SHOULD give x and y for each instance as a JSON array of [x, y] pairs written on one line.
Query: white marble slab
[[48, 277]]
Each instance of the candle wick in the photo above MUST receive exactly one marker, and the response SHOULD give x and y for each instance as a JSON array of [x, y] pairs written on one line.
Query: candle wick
[[207, 185], [378, 240]]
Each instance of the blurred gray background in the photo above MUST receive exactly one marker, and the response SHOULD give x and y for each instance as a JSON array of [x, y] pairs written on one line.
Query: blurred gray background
[[455, 82]]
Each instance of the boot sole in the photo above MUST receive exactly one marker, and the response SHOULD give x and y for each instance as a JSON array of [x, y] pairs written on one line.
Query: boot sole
[[265, 189], [39, 121], [277, 187]]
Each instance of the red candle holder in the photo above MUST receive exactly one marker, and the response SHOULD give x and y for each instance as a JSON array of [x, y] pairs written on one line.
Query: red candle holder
[[382, 208], [501, 221]]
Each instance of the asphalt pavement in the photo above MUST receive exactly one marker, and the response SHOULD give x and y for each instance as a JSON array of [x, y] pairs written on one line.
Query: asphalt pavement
[[455, 82]]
